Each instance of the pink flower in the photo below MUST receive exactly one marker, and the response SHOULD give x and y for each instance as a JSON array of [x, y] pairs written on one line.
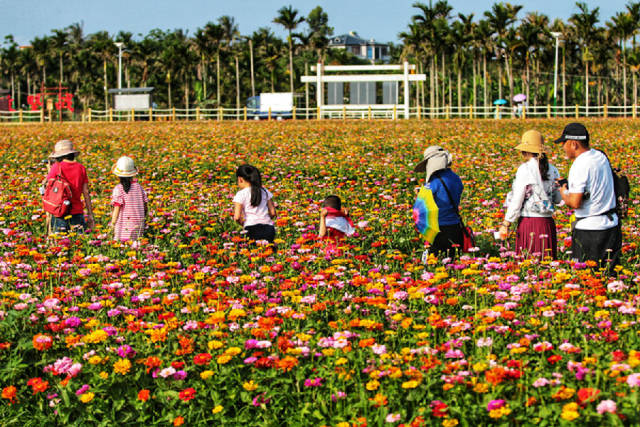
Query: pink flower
[[607, 406], [633, 380], [495, 404], [392, 418]]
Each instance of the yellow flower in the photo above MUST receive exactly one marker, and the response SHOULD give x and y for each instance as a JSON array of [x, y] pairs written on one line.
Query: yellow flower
[[341, 361], [570, 411], [206, 375], [232, 351], [215, 344], [217, 409], [481, 388], [94, 360], [104, 375], [122, 366], [449, 422], [373, 385], [223, 359], [249, 385], [343, 424], [96, 337], [410, 384], [500, 412], [87, 397]]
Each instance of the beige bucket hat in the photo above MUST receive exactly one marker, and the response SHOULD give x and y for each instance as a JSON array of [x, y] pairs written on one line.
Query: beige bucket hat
[[125, 167], [62, 148], [532, 141], [435, 158]]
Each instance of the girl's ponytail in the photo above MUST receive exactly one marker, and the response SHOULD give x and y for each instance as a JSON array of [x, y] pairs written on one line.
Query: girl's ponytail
[[543, 165], [251, 174]]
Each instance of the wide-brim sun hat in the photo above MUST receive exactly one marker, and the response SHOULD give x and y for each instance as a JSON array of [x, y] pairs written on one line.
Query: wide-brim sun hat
[[62, 148], [125, 167], [532, 141], [435, 158]]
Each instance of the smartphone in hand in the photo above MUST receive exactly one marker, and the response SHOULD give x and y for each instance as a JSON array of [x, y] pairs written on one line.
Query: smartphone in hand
[[561, 182]]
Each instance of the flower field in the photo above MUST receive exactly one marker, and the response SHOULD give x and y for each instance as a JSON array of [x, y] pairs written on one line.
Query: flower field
[[194, 326]]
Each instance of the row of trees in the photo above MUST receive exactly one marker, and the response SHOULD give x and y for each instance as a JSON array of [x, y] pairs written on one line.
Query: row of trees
[[469, 61]]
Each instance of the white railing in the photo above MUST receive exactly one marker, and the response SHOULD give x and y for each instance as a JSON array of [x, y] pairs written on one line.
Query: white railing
[[390, 112]]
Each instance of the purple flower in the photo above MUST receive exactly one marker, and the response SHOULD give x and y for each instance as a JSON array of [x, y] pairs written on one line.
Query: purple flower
[[495, 404]]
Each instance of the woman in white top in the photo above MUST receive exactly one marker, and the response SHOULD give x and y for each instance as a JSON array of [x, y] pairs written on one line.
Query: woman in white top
[[253, 206], [531, 201]]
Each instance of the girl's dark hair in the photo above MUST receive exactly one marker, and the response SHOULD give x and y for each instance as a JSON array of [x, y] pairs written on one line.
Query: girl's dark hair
[[543, 164], [70, 156], [251, 174], [126, 183], [332, 202]]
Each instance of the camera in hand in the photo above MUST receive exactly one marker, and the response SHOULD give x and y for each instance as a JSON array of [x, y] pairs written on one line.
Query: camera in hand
[[562, 182]]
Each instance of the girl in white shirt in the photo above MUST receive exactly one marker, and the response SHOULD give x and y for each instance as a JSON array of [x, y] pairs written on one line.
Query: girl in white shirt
[[253, 205], [531, 201]]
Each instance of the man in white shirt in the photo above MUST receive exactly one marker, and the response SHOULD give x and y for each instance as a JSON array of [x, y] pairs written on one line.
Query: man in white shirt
[[596, 234]]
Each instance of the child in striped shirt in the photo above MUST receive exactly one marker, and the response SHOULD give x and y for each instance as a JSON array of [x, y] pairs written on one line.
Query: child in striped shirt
[[129, 202]]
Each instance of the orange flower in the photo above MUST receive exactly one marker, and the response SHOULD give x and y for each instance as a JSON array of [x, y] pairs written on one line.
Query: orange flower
[[187, 394], [37, 385], [178, 421], [287, 363], [366, 342], [143, 395], [10, 393], [587, 395], [42, 342]]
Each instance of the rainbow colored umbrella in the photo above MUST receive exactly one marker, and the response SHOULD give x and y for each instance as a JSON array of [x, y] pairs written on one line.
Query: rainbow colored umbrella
[[425, 214]]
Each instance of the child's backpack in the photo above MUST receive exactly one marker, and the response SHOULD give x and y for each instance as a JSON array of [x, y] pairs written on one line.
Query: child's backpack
[[622, 190], [57, 196]]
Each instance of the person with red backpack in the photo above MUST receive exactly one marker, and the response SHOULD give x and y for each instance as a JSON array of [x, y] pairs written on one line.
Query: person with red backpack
[[67, 185]]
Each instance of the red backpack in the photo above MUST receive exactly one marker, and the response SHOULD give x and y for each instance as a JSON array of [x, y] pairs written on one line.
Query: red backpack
[[57, 195]]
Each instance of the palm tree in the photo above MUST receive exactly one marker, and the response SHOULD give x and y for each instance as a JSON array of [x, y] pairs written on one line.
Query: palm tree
[[230, 33], [202, 45], [482, 36], [102, 46], [59, 46], [215, 35], [585, 22], [412, 42], [41, 52], [500, 18], [458, 38], [289, 19], [621, 28], [319, 32]]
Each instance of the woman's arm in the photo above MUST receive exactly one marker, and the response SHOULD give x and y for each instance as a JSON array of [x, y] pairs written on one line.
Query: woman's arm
[[87, 201], [272, 208], [515, 205], [238, 213]]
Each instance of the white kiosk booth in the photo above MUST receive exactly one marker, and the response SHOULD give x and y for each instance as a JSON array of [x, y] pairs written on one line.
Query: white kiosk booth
[[363, 90]]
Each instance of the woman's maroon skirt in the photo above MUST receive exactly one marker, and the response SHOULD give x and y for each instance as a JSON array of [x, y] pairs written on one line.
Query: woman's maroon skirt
[[537, 237]]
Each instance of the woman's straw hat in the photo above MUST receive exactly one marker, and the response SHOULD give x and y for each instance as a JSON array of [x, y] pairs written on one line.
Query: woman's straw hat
[[62, 148], [435, 158], [125, 167], [531, 142]]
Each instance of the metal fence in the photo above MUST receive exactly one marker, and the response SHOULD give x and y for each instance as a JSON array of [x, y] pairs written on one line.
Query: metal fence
[[335, 112]]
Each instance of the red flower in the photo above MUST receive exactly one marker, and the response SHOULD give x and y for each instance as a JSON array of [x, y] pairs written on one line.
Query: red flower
[[202, 359], [619, 356], [187, 394], [177, 365], [143, 395], [10, 393], [587, 395], [439, 409], [554, 359], [37, 385]]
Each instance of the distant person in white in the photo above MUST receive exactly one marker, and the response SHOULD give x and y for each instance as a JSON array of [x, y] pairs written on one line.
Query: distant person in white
[[596, 235]]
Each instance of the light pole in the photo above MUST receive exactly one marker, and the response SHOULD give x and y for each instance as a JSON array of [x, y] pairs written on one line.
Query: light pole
[[555, 73], [119, 44]]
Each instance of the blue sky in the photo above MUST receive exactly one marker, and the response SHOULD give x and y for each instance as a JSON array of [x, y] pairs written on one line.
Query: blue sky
[[378, 19]]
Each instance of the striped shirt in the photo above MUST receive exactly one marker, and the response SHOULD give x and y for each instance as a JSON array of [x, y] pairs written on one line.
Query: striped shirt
[[130, 222]]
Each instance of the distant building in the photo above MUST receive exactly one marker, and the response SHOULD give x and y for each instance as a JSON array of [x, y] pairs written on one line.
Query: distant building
[[364, 49]]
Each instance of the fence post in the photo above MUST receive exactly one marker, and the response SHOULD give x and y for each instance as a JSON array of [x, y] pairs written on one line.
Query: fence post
[[317, 113], [245, 114], [446, 112], [344, 112], [548, 111], [524, 112], [606, 111], [419, 112], [89, 115], [269, 117], [150, 114], [577, 111], [133, 115], [293, 113], [369, 112], [110, 114], [20, 115], [42, 115], [198, 113], [395, 111], [471, 111], [219, 113], [634, 110], [173, 114]]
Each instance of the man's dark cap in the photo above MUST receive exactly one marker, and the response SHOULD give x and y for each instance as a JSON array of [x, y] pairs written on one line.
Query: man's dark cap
[[575, 132]]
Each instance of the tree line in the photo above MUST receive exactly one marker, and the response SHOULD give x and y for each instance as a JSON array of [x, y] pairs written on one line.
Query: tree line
[[468, 59]]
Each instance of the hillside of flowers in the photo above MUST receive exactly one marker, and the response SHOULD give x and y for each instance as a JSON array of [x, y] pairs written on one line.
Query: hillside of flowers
[[192, 325]]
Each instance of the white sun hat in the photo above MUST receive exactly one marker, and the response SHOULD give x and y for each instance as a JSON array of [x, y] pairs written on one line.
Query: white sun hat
[[125, 167]]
